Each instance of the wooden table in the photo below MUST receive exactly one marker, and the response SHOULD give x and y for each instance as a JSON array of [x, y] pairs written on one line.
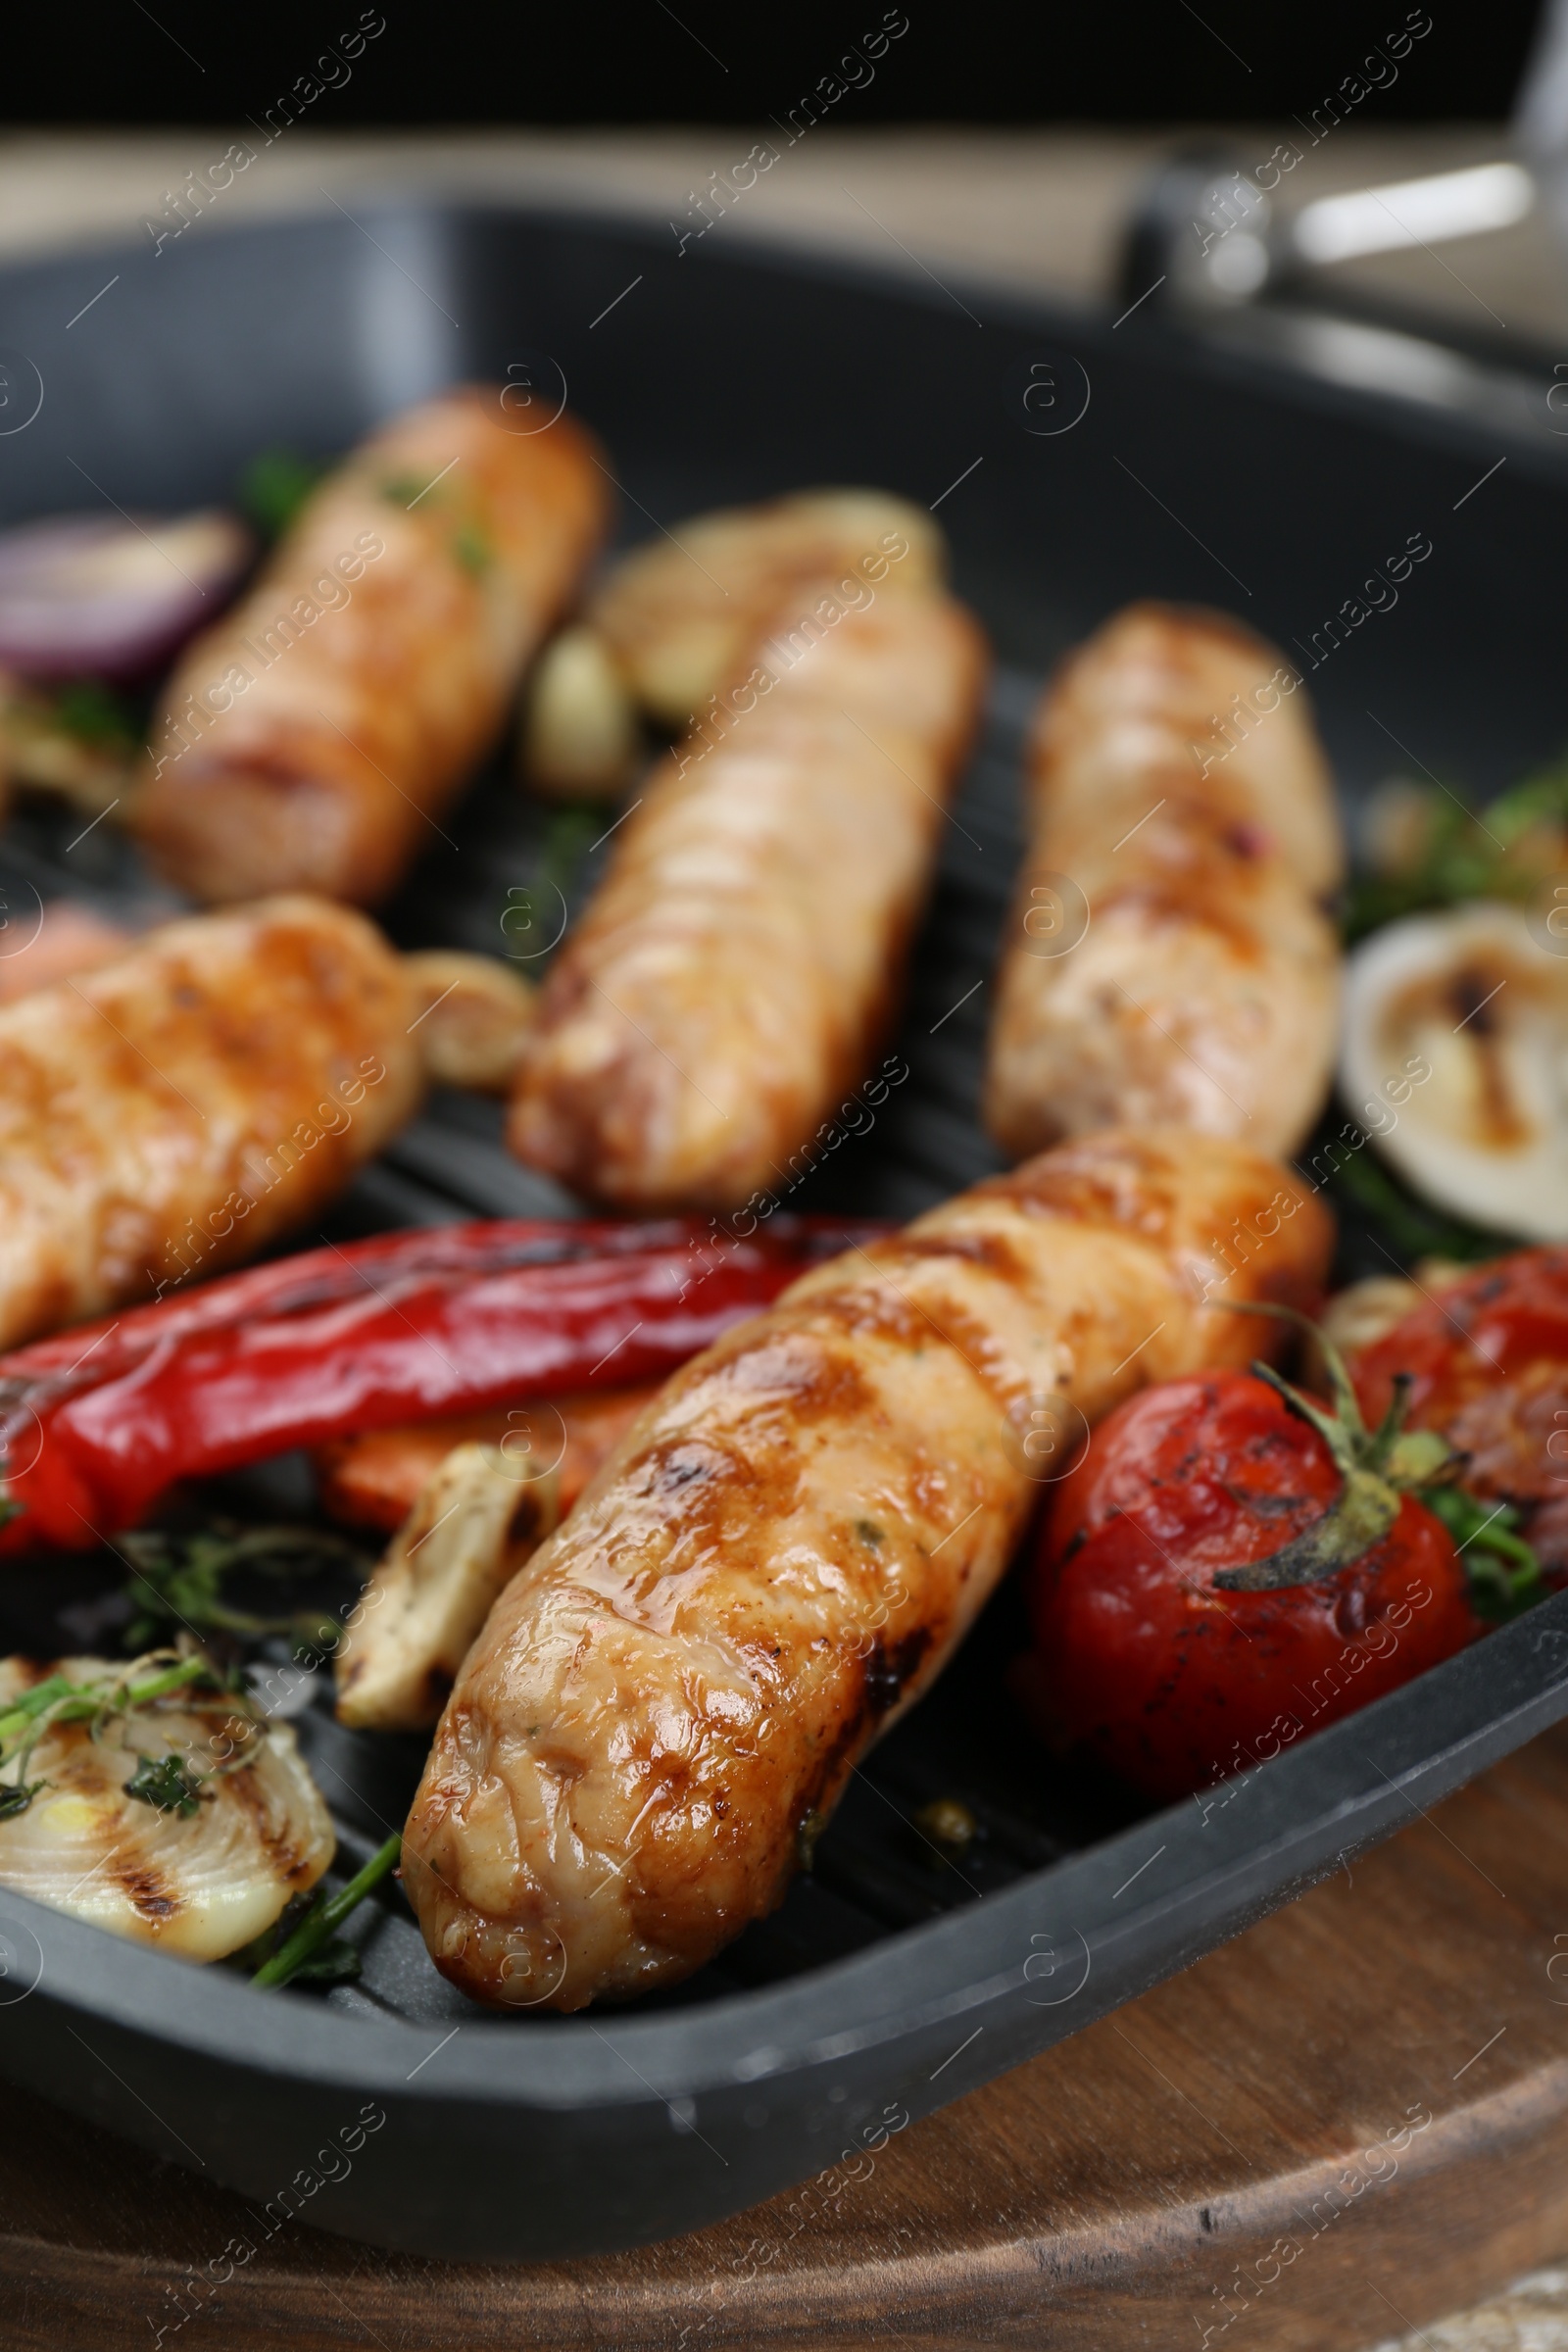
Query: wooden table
[[1120, 2190], [1350, 2120]]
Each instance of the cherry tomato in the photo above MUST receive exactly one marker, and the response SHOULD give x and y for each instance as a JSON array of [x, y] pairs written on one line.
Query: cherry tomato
[[1490, 1361], [1174, 1682]]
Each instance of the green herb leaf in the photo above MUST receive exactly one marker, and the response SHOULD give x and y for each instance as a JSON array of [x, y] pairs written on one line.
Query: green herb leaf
[[1452, 857], [179, 1580], [274, 486], [403, 489], [474, 551], [28, 1706], [166, 1785], [336, 1963], [1504, 1573], [1410, 1228], [58, 1700], [325, 1916], [93, 714]]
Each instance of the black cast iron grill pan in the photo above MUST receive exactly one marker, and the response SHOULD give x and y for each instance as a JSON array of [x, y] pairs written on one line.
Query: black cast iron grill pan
[[891, 1979]]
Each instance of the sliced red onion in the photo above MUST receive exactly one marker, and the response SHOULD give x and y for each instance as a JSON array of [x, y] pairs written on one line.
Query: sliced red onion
[[103, 596]]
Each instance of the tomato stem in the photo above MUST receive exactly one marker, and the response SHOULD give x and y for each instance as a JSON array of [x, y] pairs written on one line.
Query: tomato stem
[[1375, 1466], [1360, 1516]]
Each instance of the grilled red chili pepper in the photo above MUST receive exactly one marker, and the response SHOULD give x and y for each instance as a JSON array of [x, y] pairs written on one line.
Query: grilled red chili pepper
[[99, 1422], [1231, 1568]]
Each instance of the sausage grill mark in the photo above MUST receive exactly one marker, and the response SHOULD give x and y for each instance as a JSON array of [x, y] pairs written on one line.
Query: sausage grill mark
[[888, 1670]]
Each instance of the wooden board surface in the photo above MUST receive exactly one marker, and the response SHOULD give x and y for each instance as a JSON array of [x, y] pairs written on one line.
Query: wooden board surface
[[1350, 2121]]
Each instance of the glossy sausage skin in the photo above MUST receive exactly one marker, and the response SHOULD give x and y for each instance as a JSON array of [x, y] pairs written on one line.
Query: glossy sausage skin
[[727, 984], [666, 1702], [1178, 796], [313, 739], [170, 1113]]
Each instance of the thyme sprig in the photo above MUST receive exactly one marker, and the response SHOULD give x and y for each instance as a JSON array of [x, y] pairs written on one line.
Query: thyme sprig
[[274, 488], [1506, 1577], [1443, 856], [178, 1580], [27, 1719], [309, 1942]]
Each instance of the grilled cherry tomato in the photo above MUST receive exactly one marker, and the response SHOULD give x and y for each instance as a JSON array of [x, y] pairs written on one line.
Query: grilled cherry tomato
[[1487, 1359], [1148, 1653]]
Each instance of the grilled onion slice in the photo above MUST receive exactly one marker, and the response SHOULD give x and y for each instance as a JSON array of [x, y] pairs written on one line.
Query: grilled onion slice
[[1470, 998], [232, 1829], [108, 596]]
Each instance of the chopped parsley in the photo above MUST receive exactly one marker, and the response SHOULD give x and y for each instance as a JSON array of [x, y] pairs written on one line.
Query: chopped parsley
[[166, 1785]]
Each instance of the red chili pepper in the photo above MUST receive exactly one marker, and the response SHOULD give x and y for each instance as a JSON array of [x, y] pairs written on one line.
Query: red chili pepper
[[408, 1327], [89, 1353]]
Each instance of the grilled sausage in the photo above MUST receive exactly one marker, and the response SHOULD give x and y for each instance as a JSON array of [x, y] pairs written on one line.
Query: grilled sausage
[[729, 979], [311, 740], [171, 1112], [666, 1702], [1168, 960]]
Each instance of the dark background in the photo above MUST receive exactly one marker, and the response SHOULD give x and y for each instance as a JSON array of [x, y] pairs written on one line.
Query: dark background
[[713, 61]]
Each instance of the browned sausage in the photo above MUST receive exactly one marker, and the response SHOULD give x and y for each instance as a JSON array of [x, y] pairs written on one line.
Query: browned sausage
[[1167, 958], [728, 981], [171, 1112], [311, 740], [666, 1702]]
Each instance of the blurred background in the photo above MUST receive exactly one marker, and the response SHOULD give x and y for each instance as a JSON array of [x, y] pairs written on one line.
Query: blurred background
[[646, 62], [1158, 61], [1012, 144]]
